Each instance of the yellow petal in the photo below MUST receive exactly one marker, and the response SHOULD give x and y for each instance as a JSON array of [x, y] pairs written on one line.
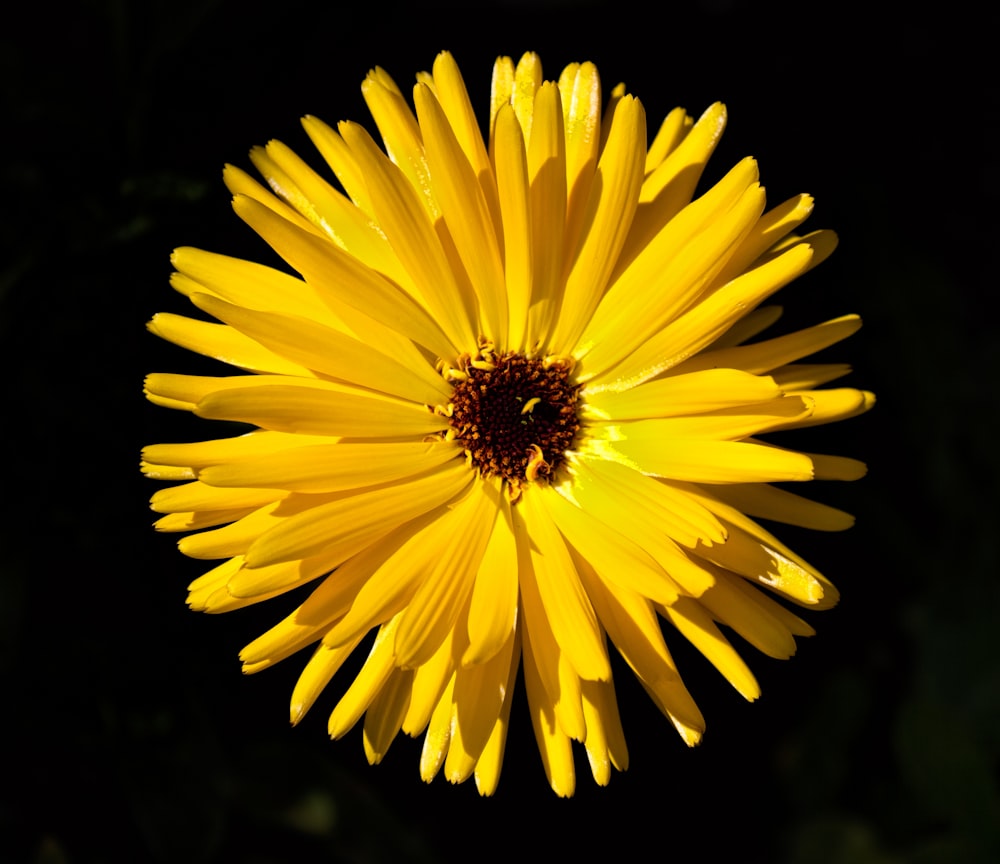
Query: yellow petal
[[614, 555], [713, 461], [365, 516], [547, 173], [201, 496], [330, 352], [696, 626], [761, 357], [480, 693], [491, 759], [370, 680], [466, 213], [605, 741], [553, 744], [569, 613], [406, 224], [315, 408], [201, 454], [779, 505], [336, 279], [701, 325], [673, 268], [511, 167], [438, 735], [672, 131], [609, 209], [432, 612], [684, 394], [318, 672], [222, 343], [332, 467], [493, 604], [385, 715]]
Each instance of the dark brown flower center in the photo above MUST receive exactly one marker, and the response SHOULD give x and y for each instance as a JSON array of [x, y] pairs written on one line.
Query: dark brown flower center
[[516, 416]]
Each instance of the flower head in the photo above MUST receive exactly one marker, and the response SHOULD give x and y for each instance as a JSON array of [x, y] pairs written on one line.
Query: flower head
[[507, 413]]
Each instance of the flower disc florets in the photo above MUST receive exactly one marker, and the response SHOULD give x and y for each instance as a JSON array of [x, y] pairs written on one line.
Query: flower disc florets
[[515, 415]]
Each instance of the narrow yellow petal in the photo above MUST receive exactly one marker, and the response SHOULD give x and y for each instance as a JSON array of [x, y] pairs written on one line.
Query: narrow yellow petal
[[494, 600], [400, 132], [556, 675], [714, 461], [614, 555], [697, 627], [491, 759], [480, 693], [673, 129], [605, 741], [189, 520], [632, 626], [683, 394], [223, 343], [370, 680], [723, 424], [385, 714], [836, 467], [737, 604], [609, 209], [744, 555], [569, 612], [780, 505], [166, 472], [336, 278], [454, 99], [511, 167], [247, 284], [201, 496], [407, 225], [466, 213], [250, 582], [318, 672], [553, 744], [201, 454], [432, 612], [364, 516], [705, 322], [438, 735], [332, 467], [236, 539], [831, 406], [330, 352], [316, 408], [240, 183], [761, 357], [672, 183], [338, 156], [429, 683], [673, 269], [547, 199], [808, 376], [580, 95]]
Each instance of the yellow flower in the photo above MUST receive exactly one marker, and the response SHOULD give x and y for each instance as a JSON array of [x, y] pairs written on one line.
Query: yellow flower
[[506, 413]]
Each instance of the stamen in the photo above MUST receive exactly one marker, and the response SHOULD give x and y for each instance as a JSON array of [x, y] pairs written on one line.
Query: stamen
[[516, 415]]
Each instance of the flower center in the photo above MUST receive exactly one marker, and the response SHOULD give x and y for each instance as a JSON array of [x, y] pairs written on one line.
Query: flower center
[[516, 416]]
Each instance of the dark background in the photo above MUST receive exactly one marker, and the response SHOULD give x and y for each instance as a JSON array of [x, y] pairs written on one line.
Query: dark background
[[129, 734]]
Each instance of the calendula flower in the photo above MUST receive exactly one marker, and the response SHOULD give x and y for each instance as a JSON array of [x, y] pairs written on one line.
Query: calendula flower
[[505, 416]]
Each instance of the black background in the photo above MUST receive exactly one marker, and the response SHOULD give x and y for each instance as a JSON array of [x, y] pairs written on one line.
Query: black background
[[129, 733]]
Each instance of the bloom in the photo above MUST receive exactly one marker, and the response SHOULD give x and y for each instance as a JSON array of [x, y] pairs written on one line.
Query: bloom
[[507, 411]]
